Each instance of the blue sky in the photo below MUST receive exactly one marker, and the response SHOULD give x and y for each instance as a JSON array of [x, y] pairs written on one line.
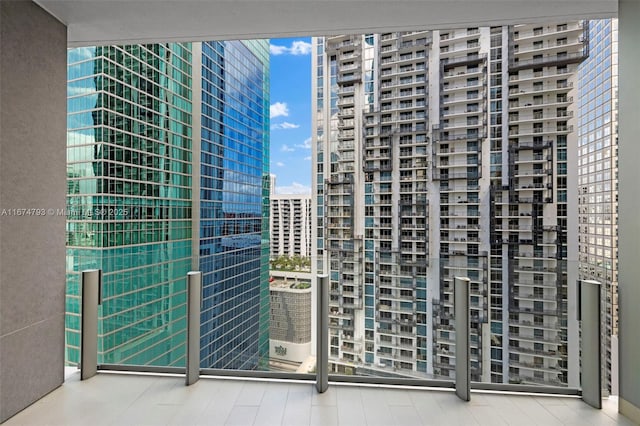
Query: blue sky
[[291, 114]]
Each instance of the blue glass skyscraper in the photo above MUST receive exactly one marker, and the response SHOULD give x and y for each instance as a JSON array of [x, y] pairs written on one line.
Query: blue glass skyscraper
[[235, 128]]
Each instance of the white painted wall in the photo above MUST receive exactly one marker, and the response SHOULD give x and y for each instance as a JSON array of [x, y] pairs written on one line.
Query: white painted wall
[[295, 352]]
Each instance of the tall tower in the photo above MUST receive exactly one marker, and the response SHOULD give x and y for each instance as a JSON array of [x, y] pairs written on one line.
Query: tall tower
[[129, 199], [233, 172], [158, 186], [540, 242], [290, 225], [442, 154], [459, 115]]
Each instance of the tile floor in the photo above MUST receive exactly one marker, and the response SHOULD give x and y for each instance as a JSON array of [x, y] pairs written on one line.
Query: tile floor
[[125, 399]]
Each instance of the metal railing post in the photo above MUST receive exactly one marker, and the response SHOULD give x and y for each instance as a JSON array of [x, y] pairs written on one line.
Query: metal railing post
[[322, 335], [462, 325], [589, 316], [91, 298], [194, 303]]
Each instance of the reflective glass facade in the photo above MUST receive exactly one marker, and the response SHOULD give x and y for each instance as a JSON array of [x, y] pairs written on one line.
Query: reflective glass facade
[[235, 128], [129, 197], [598, 175], [140, 186]]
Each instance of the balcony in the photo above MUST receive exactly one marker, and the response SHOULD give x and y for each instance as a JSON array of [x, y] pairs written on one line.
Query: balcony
[[549, 60], [551, 31], [461, 60], [541, 88], [349, 78], [548, 130], [344, 44], [564, 115], [53, 179], [549, 46]]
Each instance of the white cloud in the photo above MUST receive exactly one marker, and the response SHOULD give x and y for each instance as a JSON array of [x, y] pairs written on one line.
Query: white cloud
[[300, 48], [286, 148], [306, 144], [308, 158], [280, 164], [277, 50], [75, 91], [82, 53], [297, 48], [295, 188], [279, 109], [284, 126]]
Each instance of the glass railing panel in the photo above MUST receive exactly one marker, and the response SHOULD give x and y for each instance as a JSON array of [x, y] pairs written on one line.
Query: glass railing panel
[[522, 312], [380, 321], [142, 317], [292, 322]]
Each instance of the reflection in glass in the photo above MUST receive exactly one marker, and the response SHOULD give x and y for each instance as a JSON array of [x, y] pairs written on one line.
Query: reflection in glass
[[129, 197]]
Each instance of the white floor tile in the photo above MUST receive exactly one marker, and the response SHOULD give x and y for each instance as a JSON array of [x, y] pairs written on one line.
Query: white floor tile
[[242, 415], [324, 415], [115, 399], [405, 415]]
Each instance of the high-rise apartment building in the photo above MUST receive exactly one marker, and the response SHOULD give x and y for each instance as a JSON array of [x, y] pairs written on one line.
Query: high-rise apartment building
[[598, 175], [442, 154], [290, 229], [159, 185]]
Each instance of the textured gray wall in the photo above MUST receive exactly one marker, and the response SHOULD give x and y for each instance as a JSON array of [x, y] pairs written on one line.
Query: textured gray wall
[[290, 315], [629, 205], [32, 175]]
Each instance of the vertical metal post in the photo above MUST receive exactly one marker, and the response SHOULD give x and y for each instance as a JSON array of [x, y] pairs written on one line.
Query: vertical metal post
[[462, 325], [589, 316], [194, 302], [91, 298], [322, 335]]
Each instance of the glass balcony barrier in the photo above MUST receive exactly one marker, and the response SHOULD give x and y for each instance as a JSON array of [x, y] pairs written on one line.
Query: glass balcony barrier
[[228, 342], [397, 321], [402, 326]]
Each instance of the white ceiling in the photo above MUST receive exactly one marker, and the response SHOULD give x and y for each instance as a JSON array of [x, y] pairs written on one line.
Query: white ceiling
[[93, 22]]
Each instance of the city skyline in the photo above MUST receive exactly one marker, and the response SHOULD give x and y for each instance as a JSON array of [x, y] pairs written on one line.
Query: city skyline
[[374, 161]]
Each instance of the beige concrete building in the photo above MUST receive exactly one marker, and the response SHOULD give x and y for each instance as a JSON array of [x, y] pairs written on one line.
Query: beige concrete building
[[290, 320]]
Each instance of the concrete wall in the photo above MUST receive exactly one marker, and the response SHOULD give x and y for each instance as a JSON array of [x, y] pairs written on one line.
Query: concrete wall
[[32, 175], [291, 275], [629, 208], [295, 352]]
